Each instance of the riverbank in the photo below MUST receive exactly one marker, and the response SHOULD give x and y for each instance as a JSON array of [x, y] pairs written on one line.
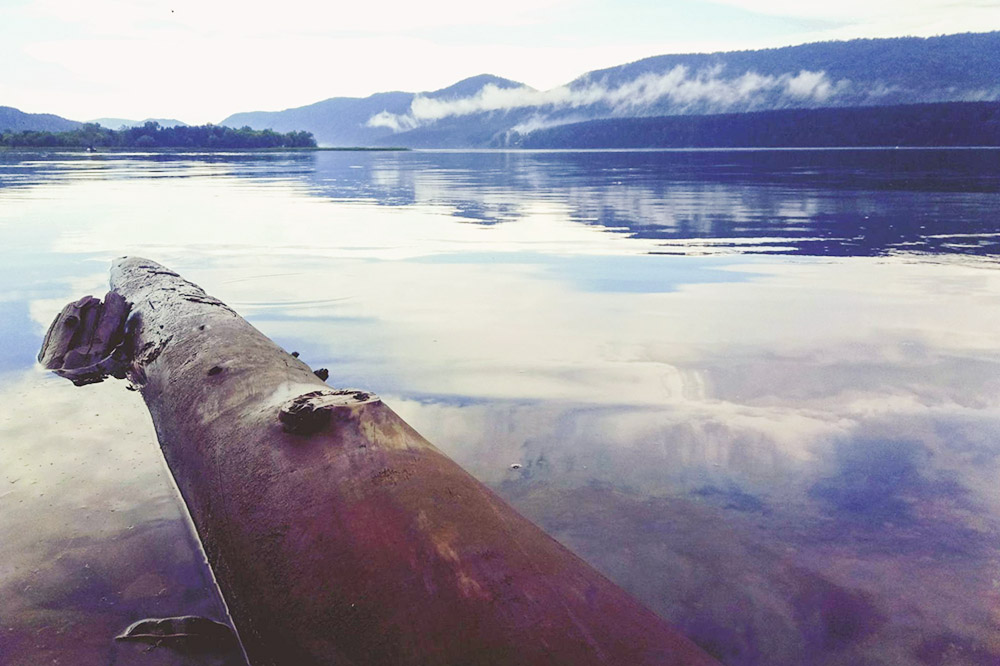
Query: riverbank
[[314, 149]]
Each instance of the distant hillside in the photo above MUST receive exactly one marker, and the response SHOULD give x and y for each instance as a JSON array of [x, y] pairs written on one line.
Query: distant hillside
[[858, 72], [355, 121], [118, 123], [942, 124], [487, 110], [19, 121]]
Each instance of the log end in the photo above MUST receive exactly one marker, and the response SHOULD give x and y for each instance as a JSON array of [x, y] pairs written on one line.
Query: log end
[[87, 341]]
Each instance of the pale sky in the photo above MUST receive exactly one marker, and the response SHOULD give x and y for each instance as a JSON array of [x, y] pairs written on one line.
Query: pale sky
[[202, 60]]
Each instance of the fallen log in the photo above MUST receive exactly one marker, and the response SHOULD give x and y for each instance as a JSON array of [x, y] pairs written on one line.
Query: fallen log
[[337, 534]]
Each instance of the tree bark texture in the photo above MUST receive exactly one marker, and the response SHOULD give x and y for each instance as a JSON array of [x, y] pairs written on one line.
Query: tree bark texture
[[337, 534]]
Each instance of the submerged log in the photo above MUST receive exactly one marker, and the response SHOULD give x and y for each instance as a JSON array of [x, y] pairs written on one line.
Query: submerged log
[[337, 534]]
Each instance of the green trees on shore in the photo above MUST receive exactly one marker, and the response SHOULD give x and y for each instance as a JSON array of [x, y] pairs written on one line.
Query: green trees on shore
[[152, 135]]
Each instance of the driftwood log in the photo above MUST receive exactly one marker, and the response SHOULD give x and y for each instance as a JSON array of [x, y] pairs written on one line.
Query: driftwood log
[[337, 534]]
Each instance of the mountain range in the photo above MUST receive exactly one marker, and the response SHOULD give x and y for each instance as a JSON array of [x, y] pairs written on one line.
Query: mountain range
[[371, 121], [490, 111], [15, 120], [19, 121]]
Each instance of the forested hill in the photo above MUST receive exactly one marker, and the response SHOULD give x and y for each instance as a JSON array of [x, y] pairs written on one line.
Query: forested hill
[[488, 110], [945, 124], [351, 121], [151, 135], [858, 72], [485, 110], [16, 120]]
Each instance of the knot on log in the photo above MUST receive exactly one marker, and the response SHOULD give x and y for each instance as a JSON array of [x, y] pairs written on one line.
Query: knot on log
[[187, 633], [87, 341], [311, 412]]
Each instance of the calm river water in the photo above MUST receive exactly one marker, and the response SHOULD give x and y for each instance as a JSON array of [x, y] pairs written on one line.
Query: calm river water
[[760, 390]]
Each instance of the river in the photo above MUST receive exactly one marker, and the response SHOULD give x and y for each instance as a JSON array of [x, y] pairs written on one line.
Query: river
[[760, 390]]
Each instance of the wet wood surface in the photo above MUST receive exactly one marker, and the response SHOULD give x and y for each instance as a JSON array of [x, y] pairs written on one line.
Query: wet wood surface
[[337, 534]]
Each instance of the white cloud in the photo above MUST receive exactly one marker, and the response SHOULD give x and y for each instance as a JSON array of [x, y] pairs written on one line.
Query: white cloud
[[541, 121], [394, 121], [678, 86], [805, 85], [172, 73]]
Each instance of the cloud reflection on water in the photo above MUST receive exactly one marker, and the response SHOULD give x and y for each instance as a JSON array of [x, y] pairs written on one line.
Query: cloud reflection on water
[[832, 417], [94, 537], [792, 458]]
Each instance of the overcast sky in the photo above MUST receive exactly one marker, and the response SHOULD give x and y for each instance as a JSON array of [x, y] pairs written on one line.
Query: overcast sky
[[201, 60]]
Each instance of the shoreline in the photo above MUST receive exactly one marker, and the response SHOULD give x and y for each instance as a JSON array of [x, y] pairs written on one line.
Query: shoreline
[[384, 149], [178, 149]]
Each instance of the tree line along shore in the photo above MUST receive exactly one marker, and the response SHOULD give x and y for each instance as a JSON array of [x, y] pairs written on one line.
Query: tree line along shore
[[151, 136]]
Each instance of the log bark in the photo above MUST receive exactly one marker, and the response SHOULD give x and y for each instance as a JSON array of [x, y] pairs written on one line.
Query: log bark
[[337, 534]]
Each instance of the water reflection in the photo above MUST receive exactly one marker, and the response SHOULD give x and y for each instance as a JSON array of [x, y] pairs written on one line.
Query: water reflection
[[792, 458], [844, 203], [808, 202], [93, 534]]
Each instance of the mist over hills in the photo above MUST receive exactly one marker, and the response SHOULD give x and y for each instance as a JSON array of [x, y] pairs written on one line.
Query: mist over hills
[[368, 121], [490, 111], [909, 125]]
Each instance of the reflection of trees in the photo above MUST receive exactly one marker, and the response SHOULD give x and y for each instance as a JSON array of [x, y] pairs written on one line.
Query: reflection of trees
[[854, 203], [839, 203], [28, 169]]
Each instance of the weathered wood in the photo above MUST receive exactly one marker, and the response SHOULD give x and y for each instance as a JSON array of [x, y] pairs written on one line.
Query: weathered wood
[[338, 535], [187, 633], [84, 341]]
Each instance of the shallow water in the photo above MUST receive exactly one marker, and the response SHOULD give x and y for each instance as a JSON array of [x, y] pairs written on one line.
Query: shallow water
[[758, 389]]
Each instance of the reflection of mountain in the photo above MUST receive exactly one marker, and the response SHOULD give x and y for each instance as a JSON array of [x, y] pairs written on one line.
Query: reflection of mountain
[[93, 534], [793, 460], [842, 203], [833, 202], [484, 110]]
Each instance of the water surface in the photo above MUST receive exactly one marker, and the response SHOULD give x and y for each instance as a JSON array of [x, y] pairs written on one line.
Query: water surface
[[758, 389]]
